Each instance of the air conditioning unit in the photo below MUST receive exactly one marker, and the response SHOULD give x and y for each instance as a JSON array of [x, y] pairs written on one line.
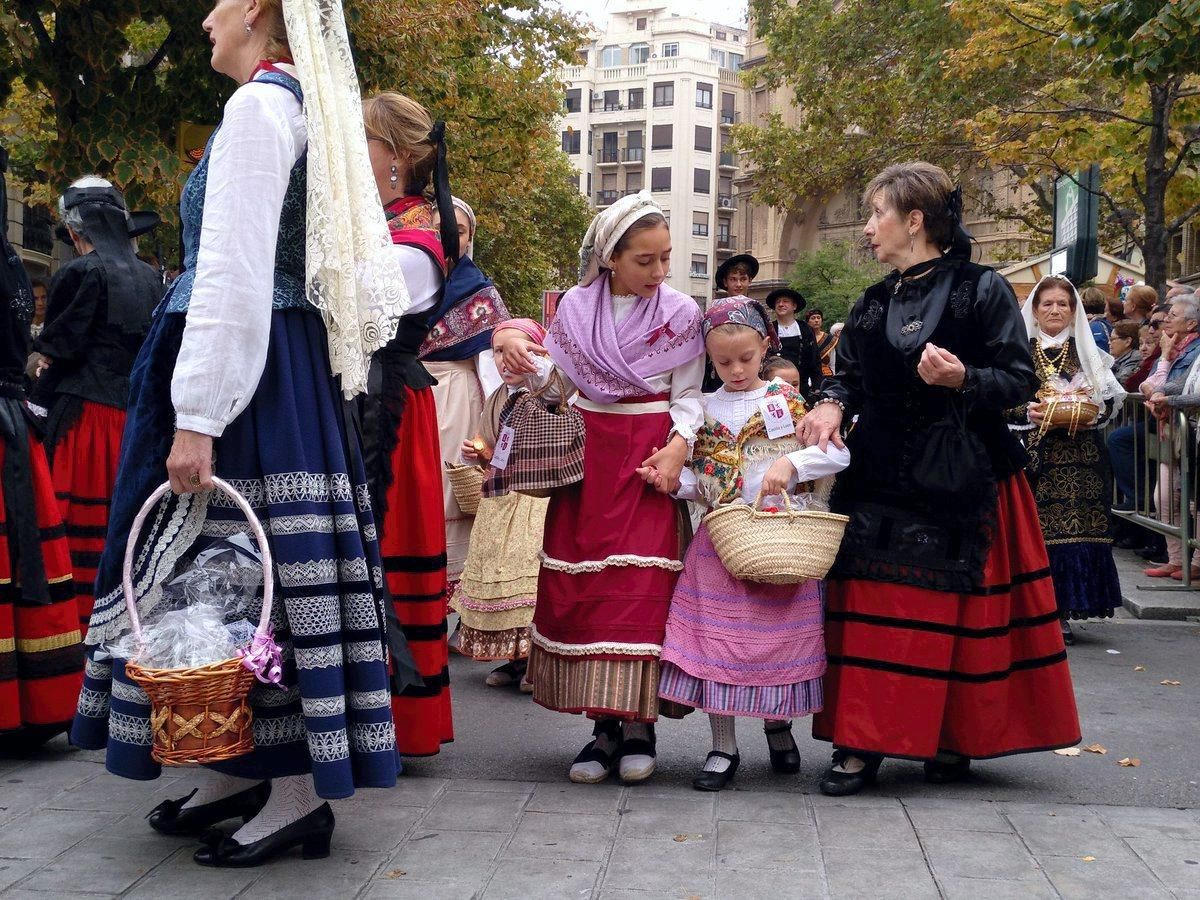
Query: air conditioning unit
[[726, 204], [654, 56], [596, 95]]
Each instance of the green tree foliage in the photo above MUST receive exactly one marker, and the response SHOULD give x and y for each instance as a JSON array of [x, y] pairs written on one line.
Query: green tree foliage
[[831, 278]]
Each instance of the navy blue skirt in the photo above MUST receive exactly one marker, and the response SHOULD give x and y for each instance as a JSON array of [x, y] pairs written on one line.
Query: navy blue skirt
[[290, 454]]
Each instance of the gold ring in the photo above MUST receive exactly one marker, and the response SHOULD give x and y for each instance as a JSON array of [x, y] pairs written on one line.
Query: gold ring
[[194, 479]]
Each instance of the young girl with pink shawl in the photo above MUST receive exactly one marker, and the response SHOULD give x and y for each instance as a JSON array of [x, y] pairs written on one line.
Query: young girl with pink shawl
[[632, 347]]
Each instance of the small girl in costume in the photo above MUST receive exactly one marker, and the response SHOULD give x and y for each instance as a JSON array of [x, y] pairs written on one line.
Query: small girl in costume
[[741, 648], [496, 595], [782, 368]]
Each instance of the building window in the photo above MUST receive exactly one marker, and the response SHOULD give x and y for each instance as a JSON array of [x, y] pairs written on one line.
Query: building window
[[639, 54], [574, 101], [702, 181], [722, 36], [610, 56], [612, 100], [641, 24], [700, 224], [36, 234], [664, 93], [589, 184], [570, 141], [671, 49], [717, 56], [661, 137], [735, 61], [637, 98], [634, 182], [704, 138], [608, 148], [660, 179], [728, 105], [699, 265], [581, 58], [704, 94]]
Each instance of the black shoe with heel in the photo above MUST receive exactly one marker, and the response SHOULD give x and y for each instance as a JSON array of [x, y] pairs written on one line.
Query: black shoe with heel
[[786, 761], [170, 818], [938, 772], [311, 834], [715, 781], [844, 784]]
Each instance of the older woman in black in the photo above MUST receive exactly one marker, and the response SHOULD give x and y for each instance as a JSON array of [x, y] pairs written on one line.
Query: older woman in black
[[941, 622]]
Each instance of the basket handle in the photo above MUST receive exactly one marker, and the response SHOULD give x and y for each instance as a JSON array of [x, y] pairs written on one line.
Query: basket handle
[[260, 537], [787, 502]]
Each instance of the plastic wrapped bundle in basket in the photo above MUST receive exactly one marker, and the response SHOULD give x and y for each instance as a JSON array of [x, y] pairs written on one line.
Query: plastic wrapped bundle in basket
[[466, 482], [784, 546]]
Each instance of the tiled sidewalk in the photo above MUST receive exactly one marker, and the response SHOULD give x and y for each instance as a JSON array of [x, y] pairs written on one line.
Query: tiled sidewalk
[[67, 829]]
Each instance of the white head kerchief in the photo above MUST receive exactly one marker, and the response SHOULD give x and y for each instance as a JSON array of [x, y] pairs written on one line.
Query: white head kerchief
[[606, 229], [462, 204], [352, 273], [1095, 363]]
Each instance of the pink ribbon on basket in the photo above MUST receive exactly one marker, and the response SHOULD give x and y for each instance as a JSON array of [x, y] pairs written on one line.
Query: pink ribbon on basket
[[264, 659]]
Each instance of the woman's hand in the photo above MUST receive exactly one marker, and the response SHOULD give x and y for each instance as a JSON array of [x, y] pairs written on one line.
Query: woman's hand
[[519, 356], [661, 469], [469, 453], [1168, 344], [941, 368], [821, 425], [779, 476], [190, 465], [476, 451], [1037, 412]]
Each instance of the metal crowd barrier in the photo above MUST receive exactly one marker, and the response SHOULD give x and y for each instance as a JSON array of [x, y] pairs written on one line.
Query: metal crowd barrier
[[1164, 453]]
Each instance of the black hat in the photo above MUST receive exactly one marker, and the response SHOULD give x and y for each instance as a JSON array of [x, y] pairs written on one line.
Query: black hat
[[743, 258], [795, 296], [143, 222]]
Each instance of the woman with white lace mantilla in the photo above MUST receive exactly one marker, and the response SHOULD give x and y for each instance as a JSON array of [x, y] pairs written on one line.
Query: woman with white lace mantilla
[[240, 376]]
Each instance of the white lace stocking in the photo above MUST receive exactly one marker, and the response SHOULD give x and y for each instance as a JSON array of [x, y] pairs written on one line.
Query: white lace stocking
[[724, 740], [292, 798], [218, 787]]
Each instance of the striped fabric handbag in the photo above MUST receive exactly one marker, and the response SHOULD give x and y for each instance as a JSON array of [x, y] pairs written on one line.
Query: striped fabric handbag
[[547, 444]]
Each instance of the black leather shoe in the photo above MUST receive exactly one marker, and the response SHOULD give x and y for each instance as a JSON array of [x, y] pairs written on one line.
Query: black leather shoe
[[311, 834], [169, 817], [1067, 633], [843, 784], [947, 772], [715, 781], [787, 761]]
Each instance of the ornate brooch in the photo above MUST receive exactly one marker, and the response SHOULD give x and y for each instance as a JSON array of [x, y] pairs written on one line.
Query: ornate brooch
[[912, 327]]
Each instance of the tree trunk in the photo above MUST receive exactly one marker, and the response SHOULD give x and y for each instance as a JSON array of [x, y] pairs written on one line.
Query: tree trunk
[[1157, 239]]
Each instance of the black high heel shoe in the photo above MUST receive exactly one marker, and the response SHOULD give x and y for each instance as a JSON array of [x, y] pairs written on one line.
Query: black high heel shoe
[[937, 772], [843, 784], [311, 834], [786, 761], [715, 781], [170, 818]]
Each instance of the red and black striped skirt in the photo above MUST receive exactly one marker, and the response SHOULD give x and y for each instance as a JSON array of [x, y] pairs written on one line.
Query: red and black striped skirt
[[414, 562], [41, 655], [913, 671], [85, 474]]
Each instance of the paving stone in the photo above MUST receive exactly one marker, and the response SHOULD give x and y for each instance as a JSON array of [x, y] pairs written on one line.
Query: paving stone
[[542, 879], [179, 878], [778, 885], [378, 828], [409, 791], [865, 828], [476, 811], [989, 889], [22, 894], [761, 806], [472, 785], [1155, 824], [108, 793], [977, 854], [406, 889], [652, 817], [1175, 862], [1076, 879], [955, 815], [563, 836], [343, 874], [1070, 833], [101, 864], [590, 799], [446, 855], [668, 868], [860, 801], [13, 870], [765, 846], [51, 778], [880, 875], [46, 833]]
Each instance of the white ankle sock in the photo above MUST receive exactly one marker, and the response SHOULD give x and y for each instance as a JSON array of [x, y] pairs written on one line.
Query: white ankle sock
[[781, 740], [851, 765], [217, 787], [724, 739], [292, 797]]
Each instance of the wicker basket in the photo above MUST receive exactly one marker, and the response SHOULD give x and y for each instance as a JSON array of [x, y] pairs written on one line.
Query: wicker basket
[[467, 483], [1069, 414], [776, 547], [198, 715]]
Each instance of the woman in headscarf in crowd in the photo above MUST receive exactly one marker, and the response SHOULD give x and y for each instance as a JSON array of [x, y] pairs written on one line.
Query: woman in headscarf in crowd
[[400, 417], [97, 317], [41, 657], [612, 553], [290, 283], [458, 354], [941, 626], [1068, 466]]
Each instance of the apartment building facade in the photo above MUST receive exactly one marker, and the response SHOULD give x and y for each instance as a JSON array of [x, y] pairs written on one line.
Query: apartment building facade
[[650, 106]]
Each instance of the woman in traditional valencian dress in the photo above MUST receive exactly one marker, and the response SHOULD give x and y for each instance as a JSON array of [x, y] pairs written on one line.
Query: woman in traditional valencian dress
[[632, 347], [941, 626], [458, 354], [401, 423], [1068, 466], [41, 657], [242, 375]]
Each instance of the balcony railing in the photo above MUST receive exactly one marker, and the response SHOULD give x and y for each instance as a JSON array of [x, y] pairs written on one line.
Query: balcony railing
[[608, 155], [634, 154], [726, 243], [728, 118], [606, 198], [726, 160]]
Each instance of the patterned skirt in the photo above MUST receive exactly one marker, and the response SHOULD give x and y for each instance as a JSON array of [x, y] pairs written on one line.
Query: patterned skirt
[[459, 400], [290, 454], [610, 560], [496, 597], [913, 671], [414, 560], [41, 657], [85, 475], [737, 648]]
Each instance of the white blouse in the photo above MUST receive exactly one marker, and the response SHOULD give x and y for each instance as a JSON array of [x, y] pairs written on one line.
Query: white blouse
[[792, 330]]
